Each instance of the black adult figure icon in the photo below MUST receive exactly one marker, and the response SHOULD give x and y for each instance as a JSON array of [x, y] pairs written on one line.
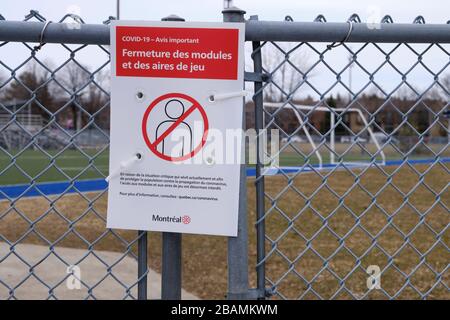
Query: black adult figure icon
[[182, 144], [168, 127]]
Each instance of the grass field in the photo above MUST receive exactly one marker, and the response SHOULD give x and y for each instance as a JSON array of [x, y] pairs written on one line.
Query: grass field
[[401, 233], [93, 164], [35, 163]]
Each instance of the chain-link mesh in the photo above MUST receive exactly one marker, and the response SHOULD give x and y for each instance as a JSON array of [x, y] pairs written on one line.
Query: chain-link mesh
[[54, 114], [362, 182]]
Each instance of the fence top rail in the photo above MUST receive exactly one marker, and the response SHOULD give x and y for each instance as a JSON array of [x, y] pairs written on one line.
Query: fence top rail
[[338, 31], [26, 31]]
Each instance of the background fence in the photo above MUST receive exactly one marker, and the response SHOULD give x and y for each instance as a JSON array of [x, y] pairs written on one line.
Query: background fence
[[361, 185]]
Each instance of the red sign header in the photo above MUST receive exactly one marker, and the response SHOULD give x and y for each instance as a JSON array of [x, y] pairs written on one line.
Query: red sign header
[[160, 52]]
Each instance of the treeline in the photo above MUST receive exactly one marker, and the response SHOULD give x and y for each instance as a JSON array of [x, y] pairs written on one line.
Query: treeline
[[75, 97], [71, 95], [403, 113]]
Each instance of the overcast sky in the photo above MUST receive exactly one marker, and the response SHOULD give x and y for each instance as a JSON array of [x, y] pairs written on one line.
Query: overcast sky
[[404, 11], [94, 11]]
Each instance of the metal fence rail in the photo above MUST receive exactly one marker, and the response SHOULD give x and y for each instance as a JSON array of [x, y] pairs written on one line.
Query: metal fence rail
[[320, 30], [321, 226]]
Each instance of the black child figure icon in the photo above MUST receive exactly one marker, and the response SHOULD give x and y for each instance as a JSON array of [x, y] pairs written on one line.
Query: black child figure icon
[[182, 144]]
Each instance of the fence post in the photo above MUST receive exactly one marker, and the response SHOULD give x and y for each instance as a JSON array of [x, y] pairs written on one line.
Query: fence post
[[238, 246], [142, 265], [171, 248], [259, 177]]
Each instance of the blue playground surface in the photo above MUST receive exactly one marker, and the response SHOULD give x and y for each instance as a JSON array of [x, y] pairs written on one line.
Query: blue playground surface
[[56, 188]]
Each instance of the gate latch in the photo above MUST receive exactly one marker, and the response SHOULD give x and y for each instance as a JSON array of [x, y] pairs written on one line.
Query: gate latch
[[256, 77]]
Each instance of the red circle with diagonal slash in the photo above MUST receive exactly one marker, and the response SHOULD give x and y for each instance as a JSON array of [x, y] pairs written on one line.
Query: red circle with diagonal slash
[[153, 145]]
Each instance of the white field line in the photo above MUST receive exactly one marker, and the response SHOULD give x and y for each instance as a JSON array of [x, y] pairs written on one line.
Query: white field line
[[3, 157], [102, 167], [54, 196]]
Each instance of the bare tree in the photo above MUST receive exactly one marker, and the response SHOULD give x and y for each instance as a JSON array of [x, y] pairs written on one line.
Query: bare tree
[[446, 84], [31, 88], [289, 65], [96, 97], [440, 90], [73, 79], [2, 85]]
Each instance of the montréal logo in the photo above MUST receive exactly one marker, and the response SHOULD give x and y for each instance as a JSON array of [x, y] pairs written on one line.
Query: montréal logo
[[173, 219], [186, 219]]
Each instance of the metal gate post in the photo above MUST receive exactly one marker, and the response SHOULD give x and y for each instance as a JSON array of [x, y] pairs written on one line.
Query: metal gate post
[[142, 265], [171, 248], [171, 266], [238, 246], [259, 178]]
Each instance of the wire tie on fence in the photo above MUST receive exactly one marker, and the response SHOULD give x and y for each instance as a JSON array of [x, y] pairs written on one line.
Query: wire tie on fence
[[334, 44], [124, 165], [41, 36], [228, 95]]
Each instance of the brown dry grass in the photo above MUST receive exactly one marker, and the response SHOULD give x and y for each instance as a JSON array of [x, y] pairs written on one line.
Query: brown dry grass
[[204, 264]]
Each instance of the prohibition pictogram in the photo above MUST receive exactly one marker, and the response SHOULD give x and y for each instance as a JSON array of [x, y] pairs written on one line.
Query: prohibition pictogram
[[177, 113]]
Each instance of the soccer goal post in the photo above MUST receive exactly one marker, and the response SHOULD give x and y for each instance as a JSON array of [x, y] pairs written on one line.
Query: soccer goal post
[[296, 108]]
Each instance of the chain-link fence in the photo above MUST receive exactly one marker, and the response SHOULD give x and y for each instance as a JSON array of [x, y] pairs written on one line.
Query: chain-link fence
[[357, 206], [54, 106]]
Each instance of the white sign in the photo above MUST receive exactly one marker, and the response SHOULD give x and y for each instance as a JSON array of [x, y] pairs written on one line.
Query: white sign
[[165, 174]]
